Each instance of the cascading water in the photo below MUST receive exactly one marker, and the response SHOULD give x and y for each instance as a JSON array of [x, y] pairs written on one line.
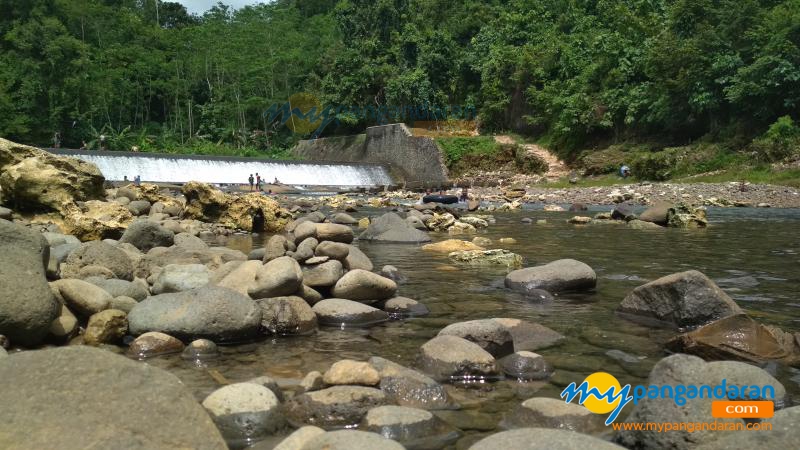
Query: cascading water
[[163, 168]]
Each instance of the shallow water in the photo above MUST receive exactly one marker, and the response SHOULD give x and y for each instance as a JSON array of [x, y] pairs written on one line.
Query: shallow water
[[753, 254]]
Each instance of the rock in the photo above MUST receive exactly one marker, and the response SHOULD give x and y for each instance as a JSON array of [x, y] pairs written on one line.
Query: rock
[[488, 257], [275, 248], [233, 211], [27, 304], [351, 440], [541, 412], [459, 227], [684, 216], [642, 225], [242, 278], [33, 179], [315, 260], [334, 232], [244, 412], [480, 241], [539, 295], [305, 249], [363, 223], [144, 235], [308, 294], [106, 327], [337, 406], [580, 220], [139, 207], [287, 315], [473, 205], [101, 254], [334, 250], [684, 299], [211, 312], [361, 285], [348, 371], [120, 288], [300, 437], [5, 213], [393, 273], [343, 219], [339, 312], [417, 223], [451, 358], [323, 275], [122, 303], [85, 299], [452, 245], [739, 338], [656, 213], [65, 326], [689, 370], [577, 207], [526, 366], [557, 276], [392, 228], [783, 434], [96, 220], [356, 259], [489, 334], [279, 277], [181, 277], [552, 208], [507, 240], [530, 336], [405, 307], [440, 222], [542, 439], [312, 381], [623, 211], [40, 383], [154, 343], [200, 350], [410, 426], [407, 387]]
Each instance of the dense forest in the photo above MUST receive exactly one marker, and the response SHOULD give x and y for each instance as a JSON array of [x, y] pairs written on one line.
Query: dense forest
[[573, 74]]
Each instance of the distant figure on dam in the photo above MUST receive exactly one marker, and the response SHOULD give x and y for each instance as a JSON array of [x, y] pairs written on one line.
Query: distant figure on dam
[[250, 179], [137, 180], [276, 182], [258, 182]]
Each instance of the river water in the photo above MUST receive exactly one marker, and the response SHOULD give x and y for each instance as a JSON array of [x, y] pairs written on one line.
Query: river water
[[753, 254]]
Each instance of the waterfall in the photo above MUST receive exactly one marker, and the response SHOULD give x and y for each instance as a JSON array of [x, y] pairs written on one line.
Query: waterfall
[[164, 168]]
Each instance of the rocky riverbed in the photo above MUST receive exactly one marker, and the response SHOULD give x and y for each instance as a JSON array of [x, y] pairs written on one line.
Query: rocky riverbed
[[152, 318]]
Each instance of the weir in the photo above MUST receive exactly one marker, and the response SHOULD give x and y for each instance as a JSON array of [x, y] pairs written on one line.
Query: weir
[[167, 168]]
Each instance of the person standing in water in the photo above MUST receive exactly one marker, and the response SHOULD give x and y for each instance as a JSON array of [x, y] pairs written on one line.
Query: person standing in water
[[250, 180], [258, 182], [137, 180]]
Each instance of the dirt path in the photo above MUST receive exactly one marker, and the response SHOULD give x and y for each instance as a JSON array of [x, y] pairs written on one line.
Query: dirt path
[[557, 168]]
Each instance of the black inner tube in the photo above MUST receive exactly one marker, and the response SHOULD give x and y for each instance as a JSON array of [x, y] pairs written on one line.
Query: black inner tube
[[446, 199]]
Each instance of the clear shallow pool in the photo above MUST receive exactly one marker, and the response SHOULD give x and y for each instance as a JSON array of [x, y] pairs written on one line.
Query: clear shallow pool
[[753, 254]]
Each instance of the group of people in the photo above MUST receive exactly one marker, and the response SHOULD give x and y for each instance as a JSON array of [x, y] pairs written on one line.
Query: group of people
[[257, 182], [137, 180]]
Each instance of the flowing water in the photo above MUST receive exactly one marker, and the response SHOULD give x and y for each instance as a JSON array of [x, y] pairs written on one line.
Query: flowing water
[[156, 168], [754, 255]]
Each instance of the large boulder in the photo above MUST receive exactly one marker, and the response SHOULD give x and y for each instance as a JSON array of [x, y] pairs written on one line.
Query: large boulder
[[96, 220], [210, 312], [392, 228], [181, 277], [361, 285], [98, 253], [145, 234], [33, 179], [685, 299], [740, 338], [656, 213], [491, 335], [685, 216], [689, 370], [279, 277], [27, 304], [557, 276], [252, 212], [287, 315], [150, 407], [323, 275], [334, 232], [448, 358], [356, 259], [83, 298]]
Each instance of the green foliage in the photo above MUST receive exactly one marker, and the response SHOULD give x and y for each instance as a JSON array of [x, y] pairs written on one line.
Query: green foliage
[[455, 148], [781, 140], [463, 154]]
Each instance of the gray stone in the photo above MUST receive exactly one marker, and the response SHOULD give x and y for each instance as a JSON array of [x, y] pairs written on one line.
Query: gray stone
[[279, 277], [312, 381], [542, 412], [64, 327], [410, 426], [154, 343], [27, 304], [275, 248], [40, 383], [287, 315], [489, 334], [407, 387], [298, 439], [5, 213], [334, 250], [305, 249], [405, 307], [784, 434], [392, 228], [361, 285], [244, 411], [257, 254], [393, 273], [83, 298], [269, 383], [351, 440], [337, 406], [98, 253], [343, 219], [348, 371], [685, 299], [120, 288], [181, 277], [211, 312], [451, 358], [139, 207], [311, 296], [557, 276], [339, 312], [526, 366], [200, 350], [242, 278], [356, 259], [334, 232], [542, 439], [530, 336], [323, 275], [145, 234], [123, 303]]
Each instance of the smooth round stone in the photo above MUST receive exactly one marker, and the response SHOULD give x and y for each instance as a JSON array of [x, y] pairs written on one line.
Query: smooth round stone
[[154, 343], [316, 260], [347, 371], [244, 411], [539, 295], [452, 358], [553, 413], [287, 315], [526, 366], [393, 273], [351, 440], [362, 285], [298, 439], [491, 335], [334, 407], [542, 439], [410, 426], [405, 307], [200, 349], [343, 313], [106, 327]]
